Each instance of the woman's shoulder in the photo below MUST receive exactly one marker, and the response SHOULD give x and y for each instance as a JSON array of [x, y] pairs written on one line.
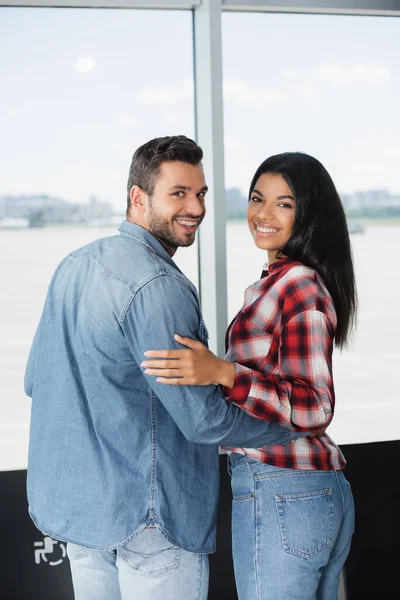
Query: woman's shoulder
[[301, 289], [299, 275]]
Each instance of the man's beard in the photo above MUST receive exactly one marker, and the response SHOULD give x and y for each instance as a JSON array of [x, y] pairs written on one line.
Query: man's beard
[[162, 229]]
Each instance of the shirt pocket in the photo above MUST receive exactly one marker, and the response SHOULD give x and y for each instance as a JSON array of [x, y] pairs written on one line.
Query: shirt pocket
[[253, 346]]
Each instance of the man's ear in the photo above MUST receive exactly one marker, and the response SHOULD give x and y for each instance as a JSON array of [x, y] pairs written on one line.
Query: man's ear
[[138, 199]]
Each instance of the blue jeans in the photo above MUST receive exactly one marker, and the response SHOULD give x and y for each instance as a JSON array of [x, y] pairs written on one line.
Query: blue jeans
[[291, 530], [146, 568]]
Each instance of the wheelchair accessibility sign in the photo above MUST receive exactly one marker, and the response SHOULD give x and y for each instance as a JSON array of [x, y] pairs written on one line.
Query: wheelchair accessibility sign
[[50, 551]]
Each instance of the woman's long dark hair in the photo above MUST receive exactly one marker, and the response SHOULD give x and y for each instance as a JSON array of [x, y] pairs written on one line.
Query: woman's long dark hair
[[320, 237]]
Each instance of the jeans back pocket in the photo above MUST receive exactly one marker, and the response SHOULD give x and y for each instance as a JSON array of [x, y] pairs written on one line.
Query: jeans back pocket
[[305, 521], [150, 553]]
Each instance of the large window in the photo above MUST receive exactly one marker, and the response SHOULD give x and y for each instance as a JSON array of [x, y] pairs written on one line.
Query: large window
[[328, 86], [80, 90]]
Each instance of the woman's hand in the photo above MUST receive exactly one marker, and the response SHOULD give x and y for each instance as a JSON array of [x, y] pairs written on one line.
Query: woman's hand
[[195, 366]]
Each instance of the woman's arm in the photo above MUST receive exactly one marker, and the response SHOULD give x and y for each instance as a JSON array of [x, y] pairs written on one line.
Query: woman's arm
[[195, 366], [300, 396]]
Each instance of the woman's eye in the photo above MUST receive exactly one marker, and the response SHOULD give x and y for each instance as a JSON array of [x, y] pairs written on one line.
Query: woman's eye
[[255, 199], [285, 205]]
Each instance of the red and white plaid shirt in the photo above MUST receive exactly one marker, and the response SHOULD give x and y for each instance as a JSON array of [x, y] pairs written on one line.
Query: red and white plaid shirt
[[281, 343]]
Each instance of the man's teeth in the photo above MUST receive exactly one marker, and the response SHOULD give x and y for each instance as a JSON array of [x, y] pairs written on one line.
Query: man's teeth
[[266, 229], [187, 223]]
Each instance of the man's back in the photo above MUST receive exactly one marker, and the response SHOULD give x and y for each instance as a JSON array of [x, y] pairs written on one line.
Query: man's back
[[105, 455]]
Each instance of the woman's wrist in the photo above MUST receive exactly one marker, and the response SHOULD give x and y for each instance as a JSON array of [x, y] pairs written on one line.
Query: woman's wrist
[[226, 373]]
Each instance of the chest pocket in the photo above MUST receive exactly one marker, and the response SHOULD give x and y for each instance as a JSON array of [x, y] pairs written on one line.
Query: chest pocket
[[257, 349], [203, 333]]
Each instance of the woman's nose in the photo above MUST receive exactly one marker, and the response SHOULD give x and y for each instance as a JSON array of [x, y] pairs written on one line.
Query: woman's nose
[[266, 212]]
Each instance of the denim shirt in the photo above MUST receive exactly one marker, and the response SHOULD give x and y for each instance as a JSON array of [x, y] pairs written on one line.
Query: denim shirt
[[111, 450]]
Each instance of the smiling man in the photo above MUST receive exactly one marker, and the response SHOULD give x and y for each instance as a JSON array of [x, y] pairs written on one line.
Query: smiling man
[[121, 467], [170, 210]]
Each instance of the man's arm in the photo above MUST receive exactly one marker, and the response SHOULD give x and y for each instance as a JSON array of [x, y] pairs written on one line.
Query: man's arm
[[30, 367], [162, 307]]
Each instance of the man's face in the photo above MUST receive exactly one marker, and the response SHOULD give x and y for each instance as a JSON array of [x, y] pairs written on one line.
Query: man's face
[[177, 206]]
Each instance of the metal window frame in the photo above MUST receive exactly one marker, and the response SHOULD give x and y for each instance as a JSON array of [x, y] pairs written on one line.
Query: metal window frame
[[207, 59], [332, 7], [145, 4], [345, 7]]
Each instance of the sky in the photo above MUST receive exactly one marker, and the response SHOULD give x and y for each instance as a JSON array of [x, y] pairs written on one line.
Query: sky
[[80, 89]]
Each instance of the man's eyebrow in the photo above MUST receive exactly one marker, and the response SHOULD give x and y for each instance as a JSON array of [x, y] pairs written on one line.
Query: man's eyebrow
[[187, 188]]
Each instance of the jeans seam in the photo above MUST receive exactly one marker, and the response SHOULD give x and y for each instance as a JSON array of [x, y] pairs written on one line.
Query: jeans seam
[[257, 531], [341, 491], [199, 575]]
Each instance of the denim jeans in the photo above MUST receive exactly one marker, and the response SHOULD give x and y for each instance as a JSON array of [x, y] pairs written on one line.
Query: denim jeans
[[291, 530], [146, 568]]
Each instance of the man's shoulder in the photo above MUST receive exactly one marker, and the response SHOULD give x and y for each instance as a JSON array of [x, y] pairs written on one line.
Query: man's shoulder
[[129, 261]]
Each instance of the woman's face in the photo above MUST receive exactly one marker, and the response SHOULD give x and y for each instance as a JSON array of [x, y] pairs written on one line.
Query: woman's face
[[271, 213]]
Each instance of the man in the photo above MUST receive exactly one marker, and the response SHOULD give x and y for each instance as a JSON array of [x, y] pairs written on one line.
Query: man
[[122, 468]]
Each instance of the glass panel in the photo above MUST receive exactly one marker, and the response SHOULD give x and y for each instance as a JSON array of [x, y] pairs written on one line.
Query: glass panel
[[81, 90], [328, 86]]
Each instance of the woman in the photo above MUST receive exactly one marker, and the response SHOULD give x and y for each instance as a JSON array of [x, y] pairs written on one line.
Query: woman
[[293, 510]]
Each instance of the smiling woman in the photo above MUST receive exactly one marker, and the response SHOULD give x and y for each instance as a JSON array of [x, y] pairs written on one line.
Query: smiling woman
[[271, 213], [278, 368]]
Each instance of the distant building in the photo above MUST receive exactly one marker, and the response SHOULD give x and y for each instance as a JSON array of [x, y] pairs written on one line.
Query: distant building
[[370, 199], [41, 209], [236, 204], [51, 209]]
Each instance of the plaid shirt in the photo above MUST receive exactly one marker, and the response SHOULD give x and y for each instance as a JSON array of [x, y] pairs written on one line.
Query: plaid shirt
[[281, 342]]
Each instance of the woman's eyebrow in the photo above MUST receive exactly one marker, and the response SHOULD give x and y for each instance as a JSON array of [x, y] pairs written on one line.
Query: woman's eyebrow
[[285, 196], [255, 191]]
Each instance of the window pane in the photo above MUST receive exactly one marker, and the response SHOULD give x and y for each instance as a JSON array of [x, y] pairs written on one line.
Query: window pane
[[81, 89], [328, 86]]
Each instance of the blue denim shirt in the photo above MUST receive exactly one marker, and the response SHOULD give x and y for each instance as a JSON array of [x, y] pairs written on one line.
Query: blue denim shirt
[[112, 450]]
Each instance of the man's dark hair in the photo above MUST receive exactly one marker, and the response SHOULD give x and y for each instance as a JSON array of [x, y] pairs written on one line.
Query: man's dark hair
[[148, 158], [320, 238]]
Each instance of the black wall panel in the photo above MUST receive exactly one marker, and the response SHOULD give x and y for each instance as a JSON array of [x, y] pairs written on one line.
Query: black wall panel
[[35, 568]]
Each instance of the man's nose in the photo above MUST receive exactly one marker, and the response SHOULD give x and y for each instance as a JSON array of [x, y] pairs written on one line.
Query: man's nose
[[195, 206]]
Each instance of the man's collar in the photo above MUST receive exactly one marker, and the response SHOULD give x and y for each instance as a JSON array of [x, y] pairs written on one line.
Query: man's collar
[[132, 230]]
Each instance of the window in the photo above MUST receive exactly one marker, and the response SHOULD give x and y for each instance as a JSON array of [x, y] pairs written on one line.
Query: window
[[81, 90], [328, 86]]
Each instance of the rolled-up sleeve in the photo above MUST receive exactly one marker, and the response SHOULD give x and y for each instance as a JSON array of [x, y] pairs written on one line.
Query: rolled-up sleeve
[[301, 395]]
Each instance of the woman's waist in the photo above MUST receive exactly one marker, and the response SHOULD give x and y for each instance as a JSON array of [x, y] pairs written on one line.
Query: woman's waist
[[310, 453]]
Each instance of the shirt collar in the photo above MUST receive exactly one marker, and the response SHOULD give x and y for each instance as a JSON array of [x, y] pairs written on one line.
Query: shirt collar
[[132, 230], [282, 264]]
